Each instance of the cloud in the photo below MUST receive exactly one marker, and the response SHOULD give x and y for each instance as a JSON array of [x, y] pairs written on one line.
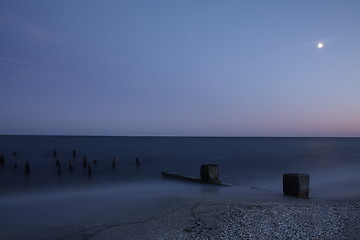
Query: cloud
[[10, 23], [14, 60]]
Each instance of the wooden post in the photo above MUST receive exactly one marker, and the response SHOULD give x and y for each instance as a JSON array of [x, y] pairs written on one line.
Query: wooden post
[[113, 163], [84, 162], [296, 185], [27, 168], [89, 170], [71, 166], [209, 173], [2, 160]]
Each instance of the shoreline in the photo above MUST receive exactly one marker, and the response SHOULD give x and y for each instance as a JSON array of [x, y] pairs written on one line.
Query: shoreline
[[250, 214]]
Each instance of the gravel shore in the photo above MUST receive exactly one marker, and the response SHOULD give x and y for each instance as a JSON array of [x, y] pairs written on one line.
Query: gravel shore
[[224, 219]]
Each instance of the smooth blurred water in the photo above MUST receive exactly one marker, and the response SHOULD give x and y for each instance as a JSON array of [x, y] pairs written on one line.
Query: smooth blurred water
[[333, 163]]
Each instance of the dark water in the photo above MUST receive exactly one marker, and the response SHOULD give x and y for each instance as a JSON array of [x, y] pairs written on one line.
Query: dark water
[[333, 163]]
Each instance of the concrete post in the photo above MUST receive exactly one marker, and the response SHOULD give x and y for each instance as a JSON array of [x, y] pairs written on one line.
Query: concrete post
[[209, 173], [296, 185]]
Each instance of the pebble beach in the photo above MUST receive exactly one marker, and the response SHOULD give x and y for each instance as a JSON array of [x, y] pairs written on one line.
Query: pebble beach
[[210, 217]]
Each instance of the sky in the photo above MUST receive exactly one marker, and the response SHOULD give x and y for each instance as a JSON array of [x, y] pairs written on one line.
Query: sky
[[180, 68]]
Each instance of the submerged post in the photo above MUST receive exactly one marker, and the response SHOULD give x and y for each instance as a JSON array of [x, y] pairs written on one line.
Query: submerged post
[[209, 173], [27, 168], [89, 170], [71, 166], [296, 185], [84, 162], [113, 162], [2, 160]]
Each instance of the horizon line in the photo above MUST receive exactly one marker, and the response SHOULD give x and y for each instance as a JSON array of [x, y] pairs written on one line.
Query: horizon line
[[179, 136]]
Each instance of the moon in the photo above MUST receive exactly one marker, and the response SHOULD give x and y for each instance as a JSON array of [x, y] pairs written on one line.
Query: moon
[[320, 45]]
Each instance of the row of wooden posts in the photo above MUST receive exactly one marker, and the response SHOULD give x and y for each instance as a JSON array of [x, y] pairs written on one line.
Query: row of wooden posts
[[86, 163], [294, 184]]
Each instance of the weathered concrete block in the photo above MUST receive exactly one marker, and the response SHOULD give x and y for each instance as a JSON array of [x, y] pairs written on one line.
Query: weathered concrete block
[[209, 173], [296, 185]]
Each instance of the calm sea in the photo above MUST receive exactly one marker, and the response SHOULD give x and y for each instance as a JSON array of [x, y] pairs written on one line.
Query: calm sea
[[333, 163]]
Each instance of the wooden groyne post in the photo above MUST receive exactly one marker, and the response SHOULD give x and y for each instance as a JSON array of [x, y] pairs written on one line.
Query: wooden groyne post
[[84, 162], [71, 166], [2, 160], [113, 163], [27, 168], [296, 185]]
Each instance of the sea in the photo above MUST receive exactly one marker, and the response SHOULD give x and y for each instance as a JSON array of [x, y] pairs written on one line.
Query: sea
[[254, 162]]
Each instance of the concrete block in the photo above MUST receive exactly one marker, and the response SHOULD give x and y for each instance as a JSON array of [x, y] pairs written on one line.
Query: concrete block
[[296, 185], [209, 173]]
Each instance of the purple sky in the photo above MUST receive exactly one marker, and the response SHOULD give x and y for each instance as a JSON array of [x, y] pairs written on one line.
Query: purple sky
[[208, 68]]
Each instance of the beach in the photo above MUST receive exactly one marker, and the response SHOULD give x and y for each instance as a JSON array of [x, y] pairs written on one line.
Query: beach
[[237, 213], [132, 200]]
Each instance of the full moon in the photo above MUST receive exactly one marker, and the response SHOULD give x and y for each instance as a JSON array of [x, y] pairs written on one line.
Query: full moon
[[320, 45]]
